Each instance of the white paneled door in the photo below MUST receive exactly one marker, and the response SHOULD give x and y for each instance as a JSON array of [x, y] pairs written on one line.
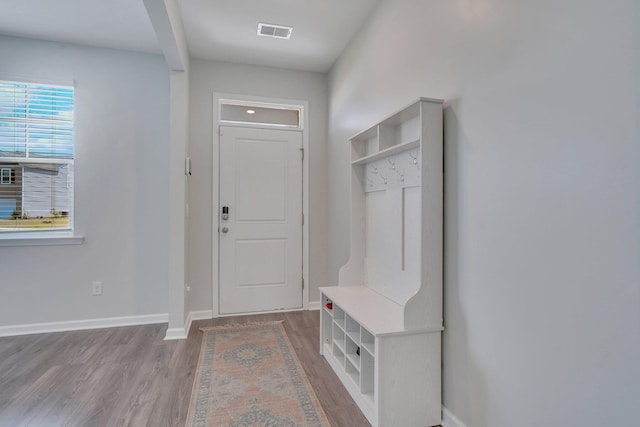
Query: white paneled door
[[260, 217]]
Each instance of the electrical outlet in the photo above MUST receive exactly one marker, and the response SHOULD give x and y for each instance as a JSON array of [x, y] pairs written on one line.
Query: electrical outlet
[[96, 288]]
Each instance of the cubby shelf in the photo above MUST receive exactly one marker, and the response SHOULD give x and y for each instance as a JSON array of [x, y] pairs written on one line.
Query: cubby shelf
[[354, 361], [387, 152], [383, 334], [369, 347]]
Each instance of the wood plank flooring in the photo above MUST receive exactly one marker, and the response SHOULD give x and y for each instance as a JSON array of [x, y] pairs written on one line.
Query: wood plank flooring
[[130, 376]]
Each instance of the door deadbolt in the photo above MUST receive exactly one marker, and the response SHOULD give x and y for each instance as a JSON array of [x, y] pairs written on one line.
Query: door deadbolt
[[225, 213]]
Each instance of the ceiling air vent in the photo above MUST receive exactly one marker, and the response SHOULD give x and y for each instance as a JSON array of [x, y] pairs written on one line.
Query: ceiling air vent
[[277, 31]]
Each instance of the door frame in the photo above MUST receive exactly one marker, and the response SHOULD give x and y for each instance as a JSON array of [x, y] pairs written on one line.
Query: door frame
[[215, 189]]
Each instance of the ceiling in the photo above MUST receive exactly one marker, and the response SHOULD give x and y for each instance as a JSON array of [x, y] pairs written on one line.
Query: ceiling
[[120, 24], [216, 29]]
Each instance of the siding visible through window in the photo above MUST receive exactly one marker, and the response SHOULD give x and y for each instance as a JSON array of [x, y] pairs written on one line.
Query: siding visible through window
[[36, 157]]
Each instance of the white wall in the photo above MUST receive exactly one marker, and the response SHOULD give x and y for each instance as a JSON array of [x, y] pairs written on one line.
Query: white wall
[[209, 77], [542, 298], [121, 189]]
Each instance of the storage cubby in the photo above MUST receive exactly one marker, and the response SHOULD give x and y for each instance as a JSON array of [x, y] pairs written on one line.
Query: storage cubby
[[327, 305], [367, 366], [352, 371], [396, 131], [386, 319], [338, 353], [367, 341], [338, 335], [338, 316], [366, 144], [351, 351], [352, 328], [327, 328]]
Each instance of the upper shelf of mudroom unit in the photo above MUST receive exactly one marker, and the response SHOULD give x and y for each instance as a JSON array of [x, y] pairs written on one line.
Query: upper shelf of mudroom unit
[[397, 133], [395, 149]]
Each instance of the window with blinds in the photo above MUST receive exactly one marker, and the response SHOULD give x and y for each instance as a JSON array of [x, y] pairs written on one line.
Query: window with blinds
[[36, 157]]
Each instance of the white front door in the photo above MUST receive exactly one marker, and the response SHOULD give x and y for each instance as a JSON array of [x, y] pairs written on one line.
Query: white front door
[[261, 237]]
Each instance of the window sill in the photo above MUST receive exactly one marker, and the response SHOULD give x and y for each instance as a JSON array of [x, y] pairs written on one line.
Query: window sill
[[41, 241]]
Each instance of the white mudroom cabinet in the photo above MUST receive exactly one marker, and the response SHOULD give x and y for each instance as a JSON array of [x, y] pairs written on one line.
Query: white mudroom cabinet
[[380, 328]]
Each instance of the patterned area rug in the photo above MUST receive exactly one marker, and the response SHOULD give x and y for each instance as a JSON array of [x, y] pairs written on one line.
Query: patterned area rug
[[249, 376]]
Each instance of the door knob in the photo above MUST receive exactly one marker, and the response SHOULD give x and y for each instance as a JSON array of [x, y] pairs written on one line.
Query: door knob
[[225, 229]]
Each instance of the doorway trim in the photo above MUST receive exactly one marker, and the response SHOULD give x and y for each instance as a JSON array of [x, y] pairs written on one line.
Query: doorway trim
[[215, 188]]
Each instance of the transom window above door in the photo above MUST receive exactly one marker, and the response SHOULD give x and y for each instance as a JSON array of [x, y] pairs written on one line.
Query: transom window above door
[[263, 114]]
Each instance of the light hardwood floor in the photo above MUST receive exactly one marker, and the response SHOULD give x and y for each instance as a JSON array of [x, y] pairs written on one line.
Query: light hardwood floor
[[130, 376]]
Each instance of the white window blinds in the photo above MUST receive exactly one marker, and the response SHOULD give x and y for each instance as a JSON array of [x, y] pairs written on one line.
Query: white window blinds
[[36, 156]]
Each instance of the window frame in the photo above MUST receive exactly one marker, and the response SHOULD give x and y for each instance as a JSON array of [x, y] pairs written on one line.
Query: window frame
[[45, 236], [259, 104], [3, 176]]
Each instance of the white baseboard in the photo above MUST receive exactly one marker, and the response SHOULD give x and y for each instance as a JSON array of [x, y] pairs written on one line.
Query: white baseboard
[[450, 420], [183, 333], [197, 315], [78, 325], [175, 334]]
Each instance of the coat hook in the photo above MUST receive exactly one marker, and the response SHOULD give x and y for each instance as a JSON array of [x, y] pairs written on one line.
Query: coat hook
[[392, 162], [384, 178], [414, 159]]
